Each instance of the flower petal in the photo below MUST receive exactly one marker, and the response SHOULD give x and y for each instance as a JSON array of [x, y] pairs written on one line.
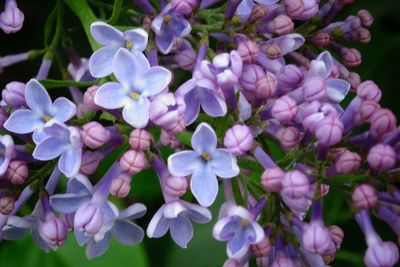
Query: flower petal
[[224, 164], [156, 80], [204, 185], [49, 149], [212, 103], [204, 139], [127, 233], [136, 113], [138, 37], [244, 9], [226, 228], [165, 42], [158, 225], [100, 62], [106, 34], [23, 121], [181, 230], [192, 110], [70, 162], [133, 212], [197, 213], [111, 95], [69, 202], [183, 163], [37, 98], [337, 89], [95, 249], [63, 109], [125, 68]]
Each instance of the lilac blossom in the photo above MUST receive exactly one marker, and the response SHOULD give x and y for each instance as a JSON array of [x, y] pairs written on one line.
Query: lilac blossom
[[137, 83], [12, 18], [40, 113], [204, 164], [6, 152], [246, 7]]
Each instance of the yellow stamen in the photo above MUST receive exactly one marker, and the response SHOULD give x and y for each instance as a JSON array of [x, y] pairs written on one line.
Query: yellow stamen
[[128, 44], [46, 118], [167, 18], [244, 222], [206, 156], [135, 96]]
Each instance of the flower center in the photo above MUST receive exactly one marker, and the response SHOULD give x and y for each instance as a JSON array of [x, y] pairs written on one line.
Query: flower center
[[128, 44], [167, 18], [206, 156], [134, 96], [244, 222], [46, 118]]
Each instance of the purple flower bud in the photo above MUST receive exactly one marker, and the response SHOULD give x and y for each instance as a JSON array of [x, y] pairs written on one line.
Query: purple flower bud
[[363, 36], [184, 7], [248, 51], [258, 12], [175, 186], [288, 137], [238, 139], [166, 109], [90, 162], [89, 218], [11, 19], [329, 131], [6, 205], [367, 109], [314, 88], [53, 231], [272, 51], [366, 18], [283, 261], [133, 161], [316, 237], [176, 128], [88, 98], [382, 121], [368, 90], [284, 109], [381, 157], [271, 179], [321, 38], [169, 140], [295, 184], [348, 162], [381, 254], [282, 25], [351, 57], [186, 59], [17, 172], [290, 77], [140, 139], [94, 135], [294, 8], [261, 249], [337, 235], [14, 94], [121, 186], [265, 87], [364, 197], [310, 10], [251, 74]]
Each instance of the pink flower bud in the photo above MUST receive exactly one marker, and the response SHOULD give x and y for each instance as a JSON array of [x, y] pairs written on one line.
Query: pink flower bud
[[261, 249], [368, 90], [258, 12], [17, 172], [283, 262], [316, 238], [282, 25], [184, 7], [265, 87], [314, 88], [324, 189], [238, 139], [367, 109], [364, 36], [11, 19], [321, 38], [140, 139], [133, 161], [53, 231], [169, 140], [364, 197], [383, 121], [175, 186], [310, 10], [381, 157], [94, 135], [294, 8], [366, 18], [186, 59], [295, 184], [337, 235], [251, 74], [381, 254], [348, 162], [351, 57], [284, 109], [248, 51], [88, 98], [271, 179], [329, 131], [121, 186], [290, 77], [89, 218], [14, 94], [166, 109], [176, 128], [90, 161], [272, 51], [288, 137], [6, 205]]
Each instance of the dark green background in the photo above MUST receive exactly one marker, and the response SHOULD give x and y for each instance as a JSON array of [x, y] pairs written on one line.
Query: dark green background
[[381, 59]]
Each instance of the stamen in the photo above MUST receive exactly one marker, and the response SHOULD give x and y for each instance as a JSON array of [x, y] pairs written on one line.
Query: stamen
[[46, 118], [135, 96], [244, 222], [128, 44], [167, 18], [206, 156]]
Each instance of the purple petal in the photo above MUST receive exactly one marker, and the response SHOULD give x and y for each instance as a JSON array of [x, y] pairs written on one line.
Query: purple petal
[[183, 163], [48, 149], [244, 9], [226, 228], [212, 103], [105, 34], [138, 37], [39, 240], [68, 203], [156, 80], [100, 63], [125, 68], [132, 212], [337, 89], [136, 113], [204, 185], [238, 245], [37, 98], [181, 230], [14, 233], [266, 2], [63, 109], [79, 184], [70, 162], [127, 233], [39, 135], [158, 225], [224, 164], [192, 101], [204, 139], [95, 249], [197, 213], [81, 238], [165, 42], [111, 95], [23, 121]]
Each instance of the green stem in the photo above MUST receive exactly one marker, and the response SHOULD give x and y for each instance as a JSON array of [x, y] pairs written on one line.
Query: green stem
[[116, 11], [57, 33]]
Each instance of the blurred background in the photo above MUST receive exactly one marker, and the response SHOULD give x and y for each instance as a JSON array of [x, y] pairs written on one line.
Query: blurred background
[[381, 60]]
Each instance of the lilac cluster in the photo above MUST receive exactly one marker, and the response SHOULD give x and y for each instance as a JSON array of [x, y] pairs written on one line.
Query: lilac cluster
[[259, 113]]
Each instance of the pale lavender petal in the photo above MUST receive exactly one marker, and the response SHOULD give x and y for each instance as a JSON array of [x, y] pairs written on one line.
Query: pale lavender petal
[[14, 233], [132, 212], [95, 249], [238, 245], [111, 95], [266, 2], [39, 240], [227, 228], [136, 113], [258, 233], [204, 186], [127, 233], [181, 230], [100, 63], [142, 62], [165, 43], [63, 109], [158, 225], [183, 163], [79, 184], [244, 9], [192, 101], [70, 162], [37, 98], [138, 37], [48, 149], [204, 139], [68, 203], [156, 80], [23, 121], [125, 68], [39, 135], [213, 104], [224, 164], [337, 89], [244, 108], [197, 213], [105, 34], [81, 238]]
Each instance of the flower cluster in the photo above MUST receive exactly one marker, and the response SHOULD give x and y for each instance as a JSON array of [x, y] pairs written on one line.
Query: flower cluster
[[245, 94]]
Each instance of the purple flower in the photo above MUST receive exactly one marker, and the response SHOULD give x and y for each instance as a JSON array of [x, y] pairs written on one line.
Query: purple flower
[[240, 229], [204, 164], [169, 27], [135, 41], [62, 141], [246, 6], [40, 113], [176, 216], [12, 18], [6, 152], [137, 82]]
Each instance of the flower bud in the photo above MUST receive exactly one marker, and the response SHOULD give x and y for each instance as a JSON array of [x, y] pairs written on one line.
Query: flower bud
[[381, 254], [11, 19], [381, 157], [6, 205], [184, 7], [261, 249], [271, 179], [186, 59], [3, 117], [321, 38], [314, 88], [368, 90], [140, 139], [17, 172], [168, 140], [351, 57], [89, 218], [324, 188], [53, 231], [295, 184], [176, 128], [14, 94], [88, 98], [133, 161], [290, 77], [265, 87], [382, 121], [175, 186], [166, 109], [282, 25], [284, 109], [121, 186], [329, 131], [364, 36], [294, 8], [366, 18], [367, 109], [337, 235], [310, 10], [347, 163], [364, 197], [272, 51], [251, 74], [90, 161], [94, 135], [316, 238], [238, 139], [258, 12], [68, 219], [283, 262], [248, 51], [288, 137]]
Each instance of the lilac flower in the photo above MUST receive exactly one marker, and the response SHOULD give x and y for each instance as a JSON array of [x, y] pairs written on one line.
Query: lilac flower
[[204, 164], [135, 41], [40, 113], [169, 27], [246, 6], [6, 152], [240, 230], [61, 140], [137, 82], [12, 18]]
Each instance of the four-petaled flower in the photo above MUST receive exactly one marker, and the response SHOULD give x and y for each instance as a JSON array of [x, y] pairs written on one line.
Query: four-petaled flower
[[246, 7], [204, 164], [6, 152], [136, 83]]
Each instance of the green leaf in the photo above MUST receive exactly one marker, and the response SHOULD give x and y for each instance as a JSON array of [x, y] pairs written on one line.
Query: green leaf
[[343, 179], [107, 117], [250, 165], [49, 26], [50, 84], [185, 138], [237, 194]]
